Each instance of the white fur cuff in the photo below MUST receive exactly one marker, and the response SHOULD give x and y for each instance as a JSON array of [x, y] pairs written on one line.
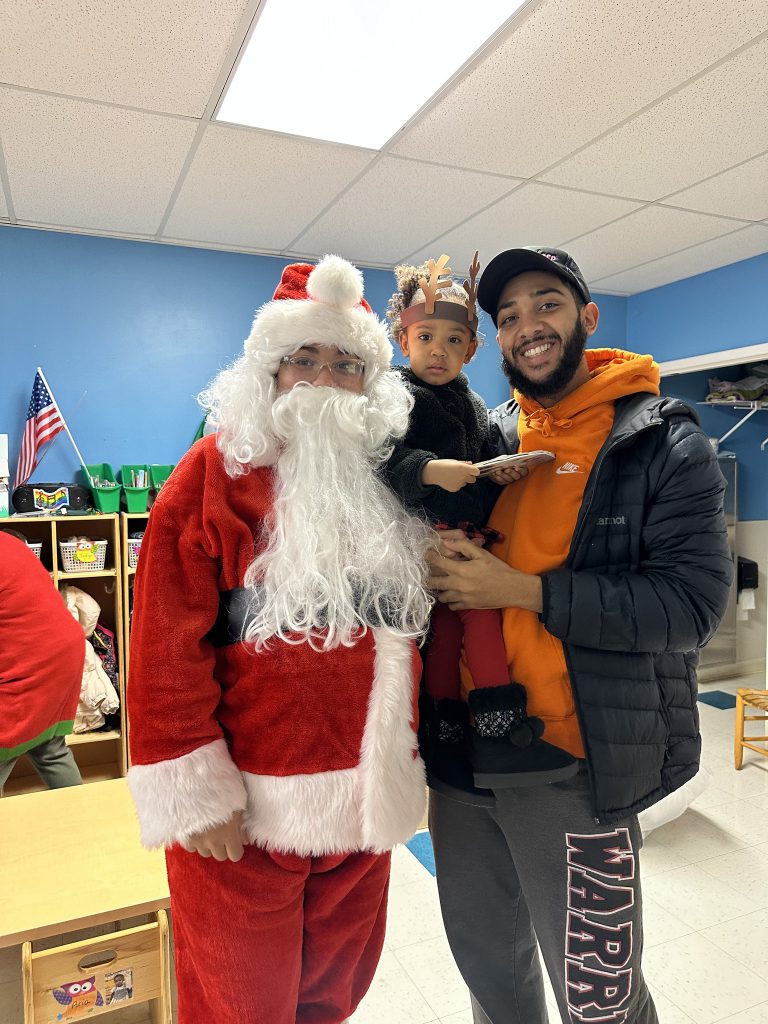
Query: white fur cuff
[[176, 799]]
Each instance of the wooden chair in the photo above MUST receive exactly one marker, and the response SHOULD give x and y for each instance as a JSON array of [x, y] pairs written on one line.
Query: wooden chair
[[81, 979], [753, 699]]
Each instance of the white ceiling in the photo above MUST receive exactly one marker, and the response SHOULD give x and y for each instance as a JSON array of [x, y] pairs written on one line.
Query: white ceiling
[[635, 134]]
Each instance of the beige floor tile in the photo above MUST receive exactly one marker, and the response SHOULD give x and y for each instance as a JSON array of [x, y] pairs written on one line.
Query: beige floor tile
[[432, 969], [746, 871], [659, 925], [393, 997], [414, 914], [698, 899], [746, 939], [701, 979], [696, 837], [406, 868], [754, 1015]]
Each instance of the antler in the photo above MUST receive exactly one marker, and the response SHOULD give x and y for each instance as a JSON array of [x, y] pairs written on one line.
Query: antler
[[432, 286], [470, 287]]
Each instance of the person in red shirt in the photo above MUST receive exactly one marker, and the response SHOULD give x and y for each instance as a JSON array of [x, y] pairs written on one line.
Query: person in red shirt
[[42, 652]]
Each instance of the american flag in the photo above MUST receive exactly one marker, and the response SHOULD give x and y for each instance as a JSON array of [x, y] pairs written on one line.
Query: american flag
[[43, 423]]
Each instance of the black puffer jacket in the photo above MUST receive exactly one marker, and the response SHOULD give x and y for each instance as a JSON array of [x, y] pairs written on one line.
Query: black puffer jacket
[[644, 586], [448, 421]]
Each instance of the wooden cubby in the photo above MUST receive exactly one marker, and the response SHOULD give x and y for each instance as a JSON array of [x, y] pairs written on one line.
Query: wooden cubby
[[102, 754]]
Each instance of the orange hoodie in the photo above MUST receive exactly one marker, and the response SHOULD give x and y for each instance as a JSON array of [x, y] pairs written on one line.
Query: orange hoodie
[[537, 516]]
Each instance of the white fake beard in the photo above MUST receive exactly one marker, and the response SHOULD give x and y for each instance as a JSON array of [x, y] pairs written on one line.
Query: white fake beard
[[341, 554]]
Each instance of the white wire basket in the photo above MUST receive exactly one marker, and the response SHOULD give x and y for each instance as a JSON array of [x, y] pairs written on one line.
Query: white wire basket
[[36, 546], [91, 559], [134, 546]]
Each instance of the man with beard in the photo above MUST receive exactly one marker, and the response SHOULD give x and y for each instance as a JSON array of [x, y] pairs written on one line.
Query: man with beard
[[614, 569], [273, 667]]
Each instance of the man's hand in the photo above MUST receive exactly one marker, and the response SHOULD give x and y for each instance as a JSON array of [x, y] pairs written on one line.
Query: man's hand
[[476, 579], [449, 474], [508, 475], [224, 842]]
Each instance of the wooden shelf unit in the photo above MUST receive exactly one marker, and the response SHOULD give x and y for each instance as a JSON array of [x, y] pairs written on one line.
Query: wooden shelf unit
[[129, 522], [100, 755]]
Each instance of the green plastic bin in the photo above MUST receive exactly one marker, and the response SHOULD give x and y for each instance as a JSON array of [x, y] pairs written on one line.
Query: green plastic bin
[[158, 475], [135, 497], [106, 497]]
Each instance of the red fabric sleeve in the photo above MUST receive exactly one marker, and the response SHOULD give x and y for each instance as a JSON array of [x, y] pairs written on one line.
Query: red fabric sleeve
[[172, 692]]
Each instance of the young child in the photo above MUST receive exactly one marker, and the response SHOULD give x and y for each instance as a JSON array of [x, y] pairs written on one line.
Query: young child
[[434, 321]]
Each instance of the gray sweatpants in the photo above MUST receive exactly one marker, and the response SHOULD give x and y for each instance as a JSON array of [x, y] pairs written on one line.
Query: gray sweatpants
[[536, 866], [53, 762]]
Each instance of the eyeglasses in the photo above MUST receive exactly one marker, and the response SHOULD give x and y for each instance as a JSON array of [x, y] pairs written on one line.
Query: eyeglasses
[[309, 369]]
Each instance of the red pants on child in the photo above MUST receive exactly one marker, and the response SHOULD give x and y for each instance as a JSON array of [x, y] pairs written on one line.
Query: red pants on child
[[479, 631], [275, 938]]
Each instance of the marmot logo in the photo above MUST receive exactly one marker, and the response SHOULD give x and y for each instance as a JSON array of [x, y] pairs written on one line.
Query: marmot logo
[[612, 521]]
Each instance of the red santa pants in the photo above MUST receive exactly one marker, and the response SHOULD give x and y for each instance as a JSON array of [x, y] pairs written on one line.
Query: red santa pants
[[275, 938], [479, 630]]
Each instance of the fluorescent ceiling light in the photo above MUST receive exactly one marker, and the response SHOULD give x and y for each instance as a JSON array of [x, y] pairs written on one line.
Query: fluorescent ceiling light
[[353, 71]]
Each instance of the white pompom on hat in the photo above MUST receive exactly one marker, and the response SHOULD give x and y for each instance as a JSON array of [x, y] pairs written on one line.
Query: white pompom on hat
[[319, 305]]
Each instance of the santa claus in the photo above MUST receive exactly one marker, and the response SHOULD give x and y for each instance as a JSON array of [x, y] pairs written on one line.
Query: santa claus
[[274, 673]]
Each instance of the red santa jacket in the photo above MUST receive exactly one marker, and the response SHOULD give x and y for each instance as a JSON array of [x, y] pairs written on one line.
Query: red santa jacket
[[317, 749], [42, 650]]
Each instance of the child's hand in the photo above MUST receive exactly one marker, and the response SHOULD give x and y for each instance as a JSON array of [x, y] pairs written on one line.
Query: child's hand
[[508, 475], [450, 474]]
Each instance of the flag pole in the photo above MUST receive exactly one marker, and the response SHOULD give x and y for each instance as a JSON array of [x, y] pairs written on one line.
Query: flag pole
[[69, 435]]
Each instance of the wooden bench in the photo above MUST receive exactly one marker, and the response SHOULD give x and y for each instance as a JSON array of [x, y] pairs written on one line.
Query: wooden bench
[[71, 859]]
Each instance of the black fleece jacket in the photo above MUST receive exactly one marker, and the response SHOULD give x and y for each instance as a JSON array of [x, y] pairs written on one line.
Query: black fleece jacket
[[448, 421]]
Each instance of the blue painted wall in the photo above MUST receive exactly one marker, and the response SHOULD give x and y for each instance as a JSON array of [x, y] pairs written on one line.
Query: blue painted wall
[[127, 333], [722, 309]]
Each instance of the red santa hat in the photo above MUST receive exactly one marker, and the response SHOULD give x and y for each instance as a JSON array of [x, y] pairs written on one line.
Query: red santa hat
[[320, 305]]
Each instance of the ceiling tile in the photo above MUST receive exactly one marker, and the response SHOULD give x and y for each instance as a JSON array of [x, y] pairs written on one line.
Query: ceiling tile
[[740, 245], [163, 55], [258, 190], [571, 70], [3, 204], [650, 233], [78, 164], [409, 203], [740, 192], [533, 215], [714, 122]]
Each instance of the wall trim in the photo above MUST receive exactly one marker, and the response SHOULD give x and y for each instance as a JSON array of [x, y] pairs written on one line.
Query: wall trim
[[711, 360]]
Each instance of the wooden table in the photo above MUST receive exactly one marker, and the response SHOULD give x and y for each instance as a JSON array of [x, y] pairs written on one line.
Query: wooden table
[[70, 859]]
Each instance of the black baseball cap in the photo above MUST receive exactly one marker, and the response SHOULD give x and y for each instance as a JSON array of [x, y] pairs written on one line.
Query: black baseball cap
[[509, 264]]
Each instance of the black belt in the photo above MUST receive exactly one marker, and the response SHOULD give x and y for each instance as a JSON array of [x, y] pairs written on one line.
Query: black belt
[[237, 609]]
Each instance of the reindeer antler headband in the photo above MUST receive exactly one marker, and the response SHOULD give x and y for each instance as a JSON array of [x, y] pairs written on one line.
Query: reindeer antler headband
[[441, 309]]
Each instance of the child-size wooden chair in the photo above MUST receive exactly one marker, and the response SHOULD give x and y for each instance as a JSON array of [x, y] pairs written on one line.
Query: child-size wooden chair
[[753, 699], [97, 975]]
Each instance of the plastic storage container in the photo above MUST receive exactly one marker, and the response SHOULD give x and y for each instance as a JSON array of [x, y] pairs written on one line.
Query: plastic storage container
[[107, 497], [79, 557], [159, 474], [136, 495], [134, 547]]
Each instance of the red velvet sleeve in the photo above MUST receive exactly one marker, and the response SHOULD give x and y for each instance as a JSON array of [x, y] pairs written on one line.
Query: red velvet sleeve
[[182, 777]]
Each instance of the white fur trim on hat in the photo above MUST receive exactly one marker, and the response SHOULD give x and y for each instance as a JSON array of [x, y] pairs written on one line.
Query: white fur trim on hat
[[330, 318]]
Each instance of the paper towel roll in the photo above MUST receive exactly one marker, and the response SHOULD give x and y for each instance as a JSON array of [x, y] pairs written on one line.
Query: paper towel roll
[[745, 603]]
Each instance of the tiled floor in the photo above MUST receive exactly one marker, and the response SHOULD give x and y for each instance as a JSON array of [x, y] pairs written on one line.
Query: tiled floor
[[706, 913]]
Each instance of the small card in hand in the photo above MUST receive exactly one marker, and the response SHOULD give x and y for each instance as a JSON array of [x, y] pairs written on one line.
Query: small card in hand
[[529, 459]]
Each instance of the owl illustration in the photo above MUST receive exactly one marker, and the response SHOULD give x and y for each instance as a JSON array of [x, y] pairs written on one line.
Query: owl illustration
[[79, 997], [84, 552]]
